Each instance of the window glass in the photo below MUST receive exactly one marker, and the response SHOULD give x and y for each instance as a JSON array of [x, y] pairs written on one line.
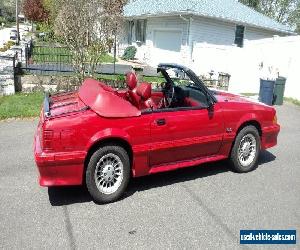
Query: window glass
[[140, 31], [187, 87], [130, 25], [239, 35]]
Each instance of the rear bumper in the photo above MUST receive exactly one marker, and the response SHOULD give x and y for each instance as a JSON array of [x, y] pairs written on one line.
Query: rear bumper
[[58, 169], [269, 136]]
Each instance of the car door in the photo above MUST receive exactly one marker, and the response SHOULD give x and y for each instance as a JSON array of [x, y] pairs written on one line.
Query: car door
[[161, 141], [185, 134], [196, 132]]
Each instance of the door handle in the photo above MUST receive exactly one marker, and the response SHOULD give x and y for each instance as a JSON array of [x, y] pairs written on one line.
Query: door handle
[[161, 122]]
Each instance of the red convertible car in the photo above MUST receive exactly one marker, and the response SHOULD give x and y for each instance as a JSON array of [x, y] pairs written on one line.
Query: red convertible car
[[101, 137]]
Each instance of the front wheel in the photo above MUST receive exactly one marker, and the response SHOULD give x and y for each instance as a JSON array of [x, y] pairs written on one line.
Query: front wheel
[[108, 173], [245, 151]]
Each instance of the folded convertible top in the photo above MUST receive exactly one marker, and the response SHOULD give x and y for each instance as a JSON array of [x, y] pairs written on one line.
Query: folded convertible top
[[104, 101]]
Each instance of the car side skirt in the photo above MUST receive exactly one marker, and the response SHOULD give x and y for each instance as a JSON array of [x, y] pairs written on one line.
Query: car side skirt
[[184, 164]]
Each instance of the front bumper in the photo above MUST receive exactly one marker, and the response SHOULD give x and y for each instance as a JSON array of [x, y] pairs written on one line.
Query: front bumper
[[58, 169], [269, 136]]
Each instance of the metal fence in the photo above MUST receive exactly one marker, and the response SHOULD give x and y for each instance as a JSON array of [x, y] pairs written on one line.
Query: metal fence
[[57, 60], [48, 60]]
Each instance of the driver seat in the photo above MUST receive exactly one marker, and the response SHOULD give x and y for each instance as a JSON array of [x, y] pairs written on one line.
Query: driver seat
[[144, 91], [131, 82]]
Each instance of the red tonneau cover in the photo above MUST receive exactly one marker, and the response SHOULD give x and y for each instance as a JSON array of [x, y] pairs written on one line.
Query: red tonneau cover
[[104, 101]]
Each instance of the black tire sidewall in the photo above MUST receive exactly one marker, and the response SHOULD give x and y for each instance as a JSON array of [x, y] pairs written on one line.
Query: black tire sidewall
[[235, 163], [90, 181]]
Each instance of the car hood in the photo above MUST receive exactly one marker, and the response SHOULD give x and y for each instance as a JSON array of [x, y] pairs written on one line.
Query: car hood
[[223, 96]]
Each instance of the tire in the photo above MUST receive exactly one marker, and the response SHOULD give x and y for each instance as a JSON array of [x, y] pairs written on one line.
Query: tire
[[108, 173], [243, 146]]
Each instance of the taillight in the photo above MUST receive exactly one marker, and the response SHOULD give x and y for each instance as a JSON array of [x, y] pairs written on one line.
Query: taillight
[[275, 119], [47, 139]]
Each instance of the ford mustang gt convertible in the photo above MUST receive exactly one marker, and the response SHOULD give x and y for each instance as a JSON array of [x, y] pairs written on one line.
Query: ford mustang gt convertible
[[101, 137]]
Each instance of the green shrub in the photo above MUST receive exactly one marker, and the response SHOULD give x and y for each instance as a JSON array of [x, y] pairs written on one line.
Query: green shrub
[[47, 29], [7, 46], [10, 43], [129, 53], [120, 78], [2, 20]]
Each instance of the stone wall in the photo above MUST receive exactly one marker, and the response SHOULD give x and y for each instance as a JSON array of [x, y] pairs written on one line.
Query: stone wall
[[7, 86], [32, 83]]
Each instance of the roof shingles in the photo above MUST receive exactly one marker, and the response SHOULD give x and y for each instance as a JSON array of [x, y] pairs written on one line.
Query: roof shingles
[[230, 10]]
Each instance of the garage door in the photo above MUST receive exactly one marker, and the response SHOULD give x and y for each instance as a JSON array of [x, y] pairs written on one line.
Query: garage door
[[168, 40], [167, 47]]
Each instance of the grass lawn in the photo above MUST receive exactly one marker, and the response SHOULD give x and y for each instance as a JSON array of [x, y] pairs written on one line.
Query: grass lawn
[[106, 58], [122, 77], [249, 94], [154, 79], [292, 100], [43, 54], [21, 105], [9, 24]]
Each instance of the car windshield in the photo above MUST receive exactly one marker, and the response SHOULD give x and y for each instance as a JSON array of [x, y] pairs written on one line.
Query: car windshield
[[180, 78]]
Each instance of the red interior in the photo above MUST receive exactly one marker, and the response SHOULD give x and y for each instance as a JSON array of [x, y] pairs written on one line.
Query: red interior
[[142, 97]]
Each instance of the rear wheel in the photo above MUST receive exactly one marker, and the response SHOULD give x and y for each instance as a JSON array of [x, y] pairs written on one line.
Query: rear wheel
[[108, 173], [245, 151]]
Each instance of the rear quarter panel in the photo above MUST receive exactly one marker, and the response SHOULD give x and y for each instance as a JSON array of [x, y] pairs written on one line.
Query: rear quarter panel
[[237, 113], [79, 132]]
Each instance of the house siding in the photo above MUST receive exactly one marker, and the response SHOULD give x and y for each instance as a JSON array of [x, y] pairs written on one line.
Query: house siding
[[145, 51], [256, 34], [202, 32]]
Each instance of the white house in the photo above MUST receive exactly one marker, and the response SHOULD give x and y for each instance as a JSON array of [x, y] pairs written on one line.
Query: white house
[[172, 30]]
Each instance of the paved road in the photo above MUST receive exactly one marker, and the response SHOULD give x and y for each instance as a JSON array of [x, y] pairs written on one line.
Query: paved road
[[4, 33], [201, 207]]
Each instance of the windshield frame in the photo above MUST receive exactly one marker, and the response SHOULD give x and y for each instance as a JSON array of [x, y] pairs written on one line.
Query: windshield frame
[[163, 67]]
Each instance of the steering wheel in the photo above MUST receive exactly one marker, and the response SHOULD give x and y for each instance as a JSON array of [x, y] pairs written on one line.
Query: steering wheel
[[169, 94]]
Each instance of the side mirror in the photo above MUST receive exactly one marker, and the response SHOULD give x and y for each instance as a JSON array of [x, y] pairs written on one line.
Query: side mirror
[[210, 103]]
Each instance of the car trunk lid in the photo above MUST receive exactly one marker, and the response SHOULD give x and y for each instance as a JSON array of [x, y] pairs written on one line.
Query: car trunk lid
[[62, 104]]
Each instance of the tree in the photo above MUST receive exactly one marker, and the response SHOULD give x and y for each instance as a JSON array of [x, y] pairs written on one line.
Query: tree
[[86, 27], [283, 11], [280, 10], [294, 18], [34, 10], [52, 8], [8, 9], [251, 3]]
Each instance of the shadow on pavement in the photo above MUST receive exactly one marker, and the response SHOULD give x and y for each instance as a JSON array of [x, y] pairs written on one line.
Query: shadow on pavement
[[265, 157], [59, 196]]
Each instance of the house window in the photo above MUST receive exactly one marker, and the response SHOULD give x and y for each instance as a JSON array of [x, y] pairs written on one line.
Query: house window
[[239, 35], [136, 31], [140, 30], [130, 29]]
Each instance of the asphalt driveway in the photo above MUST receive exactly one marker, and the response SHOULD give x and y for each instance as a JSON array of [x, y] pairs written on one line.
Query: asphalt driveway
[[200, 207]]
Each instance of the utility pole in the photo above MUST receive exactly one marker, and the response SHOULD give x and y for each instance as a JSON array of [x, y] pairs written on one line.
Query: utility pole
[[17, 23], [115, 52]]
